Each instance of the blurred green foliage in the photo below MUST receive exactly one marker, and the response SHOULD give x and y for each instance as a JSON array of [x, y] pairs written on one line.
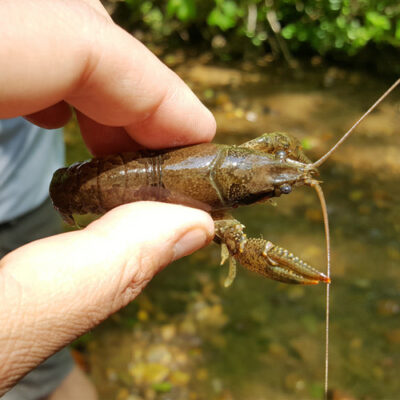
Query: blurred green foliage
[[323, 26]]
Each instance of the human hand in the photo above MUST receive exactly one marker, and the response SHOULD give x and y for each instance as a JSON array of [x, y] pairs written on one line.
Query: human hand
[[73, 53], [70, 53]]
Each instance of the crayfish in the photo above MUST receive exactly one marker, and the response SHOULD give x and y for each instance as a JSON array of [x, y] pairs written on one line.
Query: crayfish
[[212, 177]]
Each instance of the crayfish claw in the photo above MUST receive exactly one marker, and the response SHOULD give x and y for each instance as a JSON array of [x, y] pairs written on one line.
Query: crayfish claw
[[261, 256], [301, 272], [285, 275], [268, 246]]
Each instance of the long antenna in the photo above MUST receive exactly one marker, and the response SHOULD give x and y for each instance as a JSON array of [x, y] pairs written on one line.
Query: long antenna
[[321, 197], [347, 134]]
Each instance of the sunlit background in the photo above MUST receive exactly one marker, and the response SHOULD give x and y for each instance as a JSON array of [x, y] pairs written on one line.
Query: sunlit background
[[309, 68]]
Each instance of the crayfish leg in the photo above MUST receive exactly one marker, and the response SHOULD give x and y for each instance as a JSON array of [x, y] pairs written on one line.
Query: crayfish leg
[[224, 253], [232, 265], [229, 233]]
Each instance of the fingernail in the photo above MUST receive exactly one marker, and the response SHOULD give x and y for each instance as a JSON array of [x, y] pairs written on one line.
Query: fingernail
[[190, 242]]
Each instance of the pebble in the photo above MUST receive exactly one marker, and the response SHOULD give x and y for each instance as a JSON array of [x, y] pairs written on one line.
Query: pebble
[[251, 116]]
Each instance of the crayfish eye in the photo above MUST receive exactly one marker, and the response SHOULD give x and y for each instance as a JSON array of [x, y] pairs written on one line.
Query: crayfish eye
[[285, 188], [281, 155]]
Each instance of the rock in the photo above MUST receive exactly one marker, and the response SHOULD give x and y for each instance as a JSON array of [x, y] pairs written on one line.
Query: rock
[[218, 42], [215, 76], [251, 116]]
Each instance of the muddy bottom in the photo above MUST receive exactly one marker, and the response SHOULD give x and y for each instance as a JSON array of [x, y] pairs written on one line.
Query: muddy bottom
[[186, 337]]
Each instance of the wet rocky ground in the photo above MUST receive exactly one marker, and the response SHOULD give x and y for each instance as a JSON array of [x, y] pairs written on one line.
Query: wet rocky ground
[[186, 337]]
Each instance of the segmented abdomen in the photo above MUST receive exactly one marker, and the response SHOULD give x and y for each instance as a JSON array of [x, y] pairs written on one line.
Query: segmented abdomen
[[179, 176]]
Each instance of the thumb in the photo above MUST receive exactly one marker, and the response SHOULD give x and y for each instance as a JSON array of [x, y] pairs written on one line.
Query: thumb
[[59, 287]]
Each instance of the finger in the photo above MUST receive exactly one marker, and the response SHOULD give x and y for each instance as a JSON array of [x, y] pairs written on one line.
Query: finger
[[75, 280], [158, 109], [95, 4], [76, 54], [101, 139], [51, 117]]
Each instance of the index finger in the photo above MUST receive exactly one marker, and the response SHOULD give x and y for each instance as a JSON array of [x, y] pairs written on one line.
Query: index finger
[[77, 55]]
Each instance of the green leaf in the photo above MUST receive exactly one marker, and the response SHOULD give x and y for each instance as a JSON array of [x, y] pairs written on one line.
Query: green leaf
[[146, 7], [162, 387], [230, 8], [378, 20], [184, 10], [224, 15], [218, 18], [289, 31]]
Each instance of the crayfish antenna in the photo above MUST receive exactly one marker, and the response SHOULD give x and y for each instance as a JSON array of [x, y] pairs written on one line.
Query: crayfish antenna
[[321, 197], [347, 134], [322, 201]]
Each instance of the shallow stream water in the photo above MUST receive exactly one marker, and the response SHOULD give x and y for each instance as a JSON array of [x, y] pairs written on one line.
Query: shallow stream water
[[187, 337]]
